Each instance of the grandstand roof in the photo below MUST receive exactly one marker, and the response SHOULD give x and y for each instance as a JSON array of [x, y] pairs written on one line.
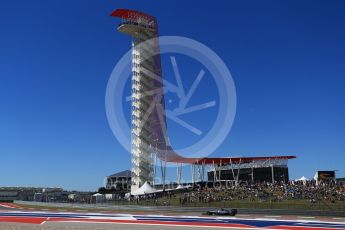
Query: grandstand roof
[[225, 160]]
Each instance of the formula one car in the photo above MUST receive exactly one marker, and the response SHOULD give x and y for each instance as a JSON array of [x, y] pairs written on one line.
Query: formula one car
[[221, 212]]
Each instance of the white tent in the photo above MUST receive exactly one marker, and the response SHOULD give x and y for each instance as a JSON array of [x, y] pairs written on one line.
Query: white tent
[[146, 188], [303, 178], [179, 187], [98, 198], [183, 187]]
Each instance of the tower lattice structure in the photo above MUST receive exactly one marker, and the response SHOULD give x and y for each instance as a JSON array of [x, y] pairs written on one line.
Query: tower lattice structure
[[147, 111]]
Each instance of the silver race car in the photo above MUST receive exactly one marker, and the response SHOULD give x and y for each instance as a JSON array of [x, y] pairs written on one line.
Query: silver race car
[[222, 212]]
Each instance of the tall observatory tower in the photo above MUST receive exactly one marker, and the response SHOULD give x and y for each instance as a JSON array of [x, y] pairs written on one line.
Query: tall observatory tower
[[148, 123]]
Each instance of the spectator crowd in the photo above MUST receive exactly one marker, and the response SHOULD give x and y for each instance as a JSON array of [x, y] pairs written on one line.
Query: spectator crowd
[[273, 192]]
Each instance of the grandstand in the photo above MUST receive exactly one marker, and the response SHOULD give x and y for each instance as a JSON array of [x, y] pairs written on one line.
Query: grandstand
[[250, 169]]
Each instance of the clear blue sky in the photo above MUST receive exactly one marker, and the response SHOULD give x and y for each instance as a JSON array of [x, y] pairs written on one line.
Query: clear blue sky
[[286, 57]]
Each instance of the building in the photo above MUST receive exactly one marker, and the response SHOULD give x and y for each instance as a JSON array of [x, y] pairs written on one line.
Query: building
[[8, 195], [32, 194], [325, 176], [80, 197], [38, 197], [120, 181]]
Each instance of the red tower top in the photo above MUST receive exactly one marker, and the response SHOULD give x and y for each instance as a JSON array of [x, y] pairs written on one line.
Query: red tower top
[[133, 15]]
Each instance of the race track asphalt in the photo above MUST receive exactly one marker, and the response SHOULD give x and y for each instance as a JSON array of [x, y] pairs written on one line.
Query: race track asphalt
[[88, 226], [15, 216]]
